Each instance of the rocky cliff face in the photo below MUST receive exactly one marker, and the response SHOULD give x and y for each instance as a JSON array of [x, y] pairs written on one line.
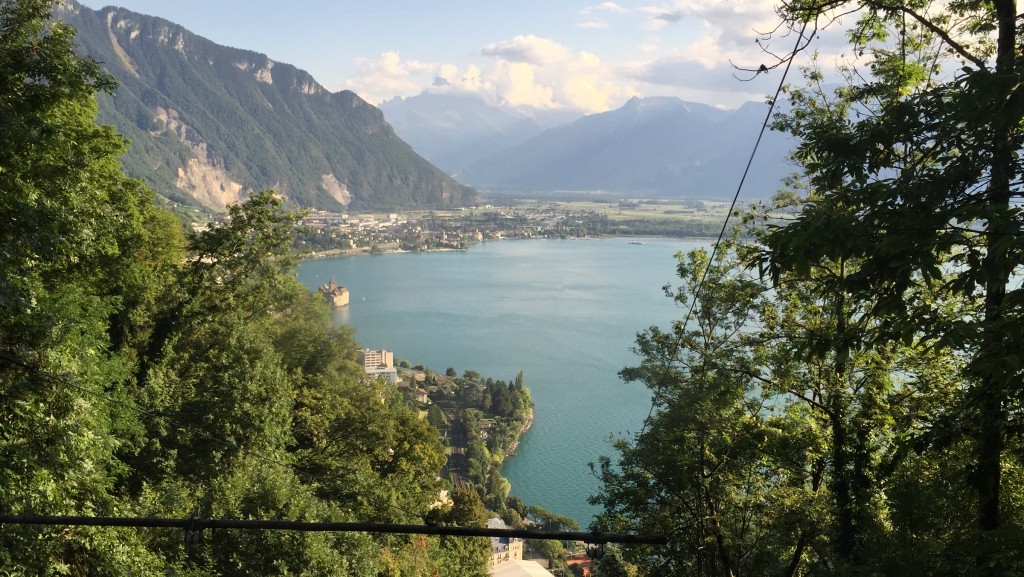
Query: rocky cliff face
[[210, 124], [203, 176]]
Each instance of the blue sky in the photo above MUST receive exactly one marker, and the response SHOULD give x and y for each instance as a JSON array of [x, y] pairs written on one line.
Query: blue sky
[[589, 56]]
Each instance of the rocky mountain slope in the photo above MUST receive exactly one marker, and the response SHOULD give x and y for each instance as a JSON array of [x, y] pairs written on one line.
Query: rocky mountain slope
[[210, 123]]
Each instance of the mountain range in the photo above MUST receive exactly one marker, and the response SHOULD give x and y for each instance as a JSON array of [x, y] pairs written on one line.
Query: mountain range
[[659, 146], [457, 130], [210, 123]]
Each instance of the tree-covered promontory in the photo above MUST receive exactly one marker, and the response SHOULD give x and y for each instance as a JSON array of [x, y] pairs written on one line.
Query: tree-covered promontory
[[146, 372]]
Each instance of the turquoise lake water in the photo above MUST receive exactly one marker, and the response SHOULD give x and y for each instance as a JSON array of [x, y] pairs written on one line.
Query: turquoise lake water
[[565, 312]]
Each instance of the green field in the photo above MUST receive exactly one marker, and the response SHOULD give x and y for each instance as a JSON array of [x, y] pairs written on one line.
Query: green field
[[659, 210], [684, 211]]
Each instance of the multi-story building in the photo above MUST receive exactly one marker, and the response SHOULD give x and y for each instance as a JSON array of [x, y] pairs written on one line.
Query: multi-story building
[[503, 549]]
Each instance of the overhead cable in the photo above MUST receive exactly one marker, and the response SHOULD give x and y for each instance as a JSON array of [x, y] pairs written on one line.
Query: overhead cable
[[195, 525], [674, 352]]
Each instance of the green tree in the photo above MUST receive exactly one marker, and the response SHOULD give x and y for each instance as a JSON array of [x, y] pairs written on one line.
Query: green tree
[[210, 364], [512, 518], [551, 521], [613, 565], [496, 489], [918, 174], [437, 418], [225, 360], [75, 260], [139, 377], [865, 400], [551, 550], [698, 470], [464, 556], [775, 444], [516, 504]]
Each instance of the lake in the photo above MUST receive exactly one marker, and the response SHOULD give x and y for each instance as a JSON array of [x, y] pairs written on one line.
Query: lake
[[565, 312]]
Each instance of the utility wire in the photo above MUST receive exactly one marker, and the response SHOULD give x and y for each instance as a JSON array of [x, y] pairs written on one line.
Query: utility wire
[[676, 343], [193, 526]]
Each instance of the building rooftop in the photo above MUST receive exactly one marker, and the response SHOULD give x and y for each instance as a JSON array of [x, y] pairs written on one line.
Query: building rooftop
[[520, 568]]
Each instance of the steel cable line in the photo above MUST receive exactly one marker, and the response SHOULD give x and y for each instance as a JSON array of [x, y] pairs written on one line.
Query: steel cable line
[[676, 343], [193, 526]]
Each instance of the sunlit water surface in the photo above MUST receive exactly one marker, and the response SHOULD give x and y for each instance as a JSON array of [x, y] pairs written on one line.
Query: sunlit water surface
[[566, 312]]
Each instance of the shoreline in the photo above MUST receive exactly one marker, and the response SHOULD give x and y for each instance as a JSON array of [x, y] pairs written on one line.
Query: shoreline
[[564, 428], [347, 252], [522, 431], [343, 252]]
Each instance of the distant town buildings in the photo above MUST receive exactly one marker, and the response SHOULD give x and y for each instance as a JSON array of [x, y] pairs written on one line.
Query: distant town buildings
[[335, 294], [331, 232], [379, 363]]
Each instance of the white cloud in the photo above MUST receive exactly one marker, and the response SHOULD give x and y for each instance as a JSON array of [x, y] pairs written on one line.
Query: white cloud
[[610, 7], [722, 32], [728, 17], [607, 7], [517, 85], [538, 72], [659, 16], [529, 49], [529, 70], [388, 76], [593, 15], [469, 80]]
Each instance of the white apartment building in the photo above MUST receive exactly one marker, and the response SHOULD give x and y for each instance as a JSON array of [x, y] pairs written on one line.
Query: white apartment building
[[379, 363]]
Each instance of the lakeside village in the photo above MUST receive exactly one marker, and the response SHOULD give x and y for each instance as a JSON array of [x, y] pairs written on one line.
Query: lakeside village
[[325, 234], [481, 421]]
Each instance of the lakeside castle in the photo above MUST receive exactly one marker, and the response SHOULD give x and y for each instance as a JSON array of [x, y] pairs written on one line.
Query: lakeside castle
[[335, 294]]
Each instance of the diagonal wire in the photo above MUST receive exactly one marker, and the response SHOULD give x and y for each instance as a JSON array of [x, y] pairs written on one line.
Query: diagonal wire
[[677, 342]]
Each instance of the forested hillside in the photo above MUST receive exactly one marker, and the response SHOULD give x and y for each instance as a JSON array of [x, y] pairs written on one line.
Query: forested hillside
[[211, 123], [149, 374]]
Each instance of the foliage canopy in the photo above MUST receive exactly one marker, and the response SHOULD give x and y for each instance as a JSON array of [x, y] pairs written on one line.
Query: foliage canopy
[[832, 414], [144, 372]]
